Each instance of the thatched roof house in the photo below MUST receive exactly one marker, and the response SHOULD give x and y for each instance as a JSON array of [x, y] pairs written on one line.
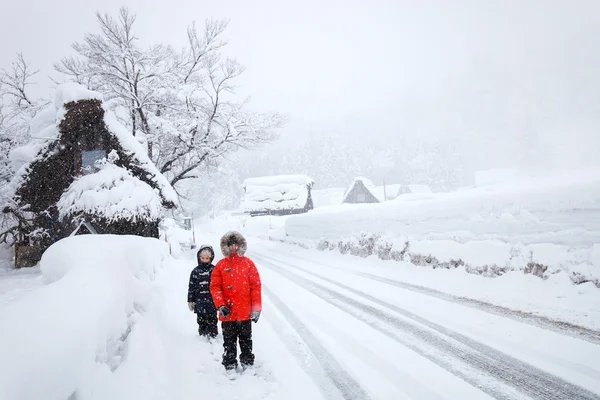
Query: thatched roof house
[[362, 190], [277, 195], [82, 164]]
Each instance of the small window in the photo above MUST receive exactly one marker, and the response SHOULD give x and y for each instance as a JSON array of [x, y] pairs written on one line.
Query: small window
[[361, 197], [89, 159]]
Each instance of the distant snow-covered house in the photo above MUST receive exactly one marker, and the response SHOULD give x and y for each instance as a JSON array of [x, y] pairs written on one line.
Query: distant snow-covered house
[[83, 167], [362, 190], [406, 189], [277, 195]]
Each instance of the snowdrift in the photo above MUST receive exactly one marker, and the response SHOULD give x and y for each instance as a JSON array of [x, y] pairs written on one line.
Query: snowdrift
[[65, 337], [553, 221]]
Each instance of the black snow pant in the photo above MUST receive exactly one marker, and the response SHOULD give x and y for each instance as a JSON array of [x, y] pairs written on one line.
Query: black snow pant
[[232, 331], [207, 325]]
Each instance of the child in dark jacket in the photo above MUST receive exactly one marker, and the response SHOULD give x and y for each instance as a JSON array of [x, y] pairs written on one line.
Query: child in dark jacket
[[199, 298]]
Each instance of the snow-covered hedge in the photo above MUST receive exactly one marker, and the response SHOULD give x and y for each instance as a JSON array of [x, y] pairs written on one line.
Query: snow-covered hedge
[[488, 258], [64, 338]]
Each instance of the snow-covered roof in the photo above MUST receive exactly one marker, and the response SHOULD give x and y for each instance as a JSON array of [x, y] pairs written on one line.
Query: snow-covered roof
[[111, 193], [44, 129], [137, 151], [72, 92], [377, 193], [276, 193]]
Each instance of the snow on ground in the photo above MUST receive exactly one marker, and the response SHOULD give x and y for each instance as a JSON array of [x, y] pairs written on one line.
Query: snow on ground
[[372, 347], [553, 220], [112, 323], [14, 282], [65, 337], [555, 297]]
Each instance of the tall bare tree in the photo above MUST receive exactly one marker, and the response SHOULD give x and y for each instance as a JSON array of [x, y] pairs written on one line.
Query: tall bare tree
[[180, 101]]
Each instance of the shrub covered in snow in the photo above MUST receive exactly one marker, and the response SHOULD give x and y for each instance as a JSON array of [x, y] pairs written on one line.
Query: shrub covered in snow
[[481, 258]]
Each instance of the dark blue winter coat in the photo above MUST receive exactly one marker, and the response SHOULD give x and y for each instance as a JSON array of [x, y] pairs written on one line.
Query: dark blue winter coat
[[199, 287]]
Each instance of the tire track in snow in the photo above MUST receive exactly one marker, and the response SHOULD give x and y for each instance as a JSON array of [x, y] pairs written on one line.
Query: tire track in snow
[[512, 372], [428, 351], [387, 369], [349, 388], [562, 327]]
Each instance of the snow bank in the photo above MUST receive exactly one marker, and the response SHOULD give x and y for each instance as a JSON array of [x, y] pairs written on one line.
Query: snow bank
[[111, 193], [68, 336], [562, 209], [554, 221]]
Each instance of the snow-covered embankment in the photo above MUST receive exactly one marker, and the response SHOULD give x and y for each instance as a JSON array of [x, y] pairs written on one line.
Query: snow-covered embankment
[[68, 336], [541, 225]]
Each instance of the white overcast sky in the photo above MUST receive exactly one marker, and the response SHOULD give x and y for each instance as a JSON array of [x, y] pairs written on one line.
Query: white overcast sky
[[486, 70]]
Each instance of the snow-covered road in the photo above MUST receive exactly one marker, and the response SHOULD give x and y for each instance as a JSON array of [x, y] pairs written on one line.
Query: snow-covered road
[[333, 327], [329, 333]]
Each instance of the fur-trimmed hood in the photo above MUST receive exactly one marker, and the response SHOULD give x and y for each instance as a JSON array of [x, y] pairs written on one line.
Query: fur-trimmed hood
[[243, 245]]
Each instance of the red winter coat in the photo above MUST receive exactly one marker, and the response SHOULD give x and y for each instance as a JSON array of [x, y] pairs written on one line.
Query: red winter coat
[[235, 283]]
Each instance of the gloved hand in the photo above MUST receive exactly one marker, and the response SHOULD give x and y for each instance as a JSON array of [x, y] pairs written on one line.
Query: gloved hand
[[224, 311], [191, 305], [254, 316]]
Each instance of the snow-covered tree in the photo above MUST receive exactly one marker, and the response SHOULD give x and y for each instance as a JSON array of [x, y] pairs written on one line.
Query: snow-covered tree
[[17, 107], [179, 102]]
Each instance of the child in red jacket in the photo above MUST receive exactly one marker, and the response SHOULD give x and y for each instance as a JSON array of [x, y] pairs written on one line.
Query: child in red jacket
[[236, 291]]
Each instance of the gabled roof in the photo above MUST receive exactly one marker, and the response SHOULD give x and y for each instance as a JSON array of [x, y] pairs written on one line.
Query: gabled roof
[[362, 183]]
